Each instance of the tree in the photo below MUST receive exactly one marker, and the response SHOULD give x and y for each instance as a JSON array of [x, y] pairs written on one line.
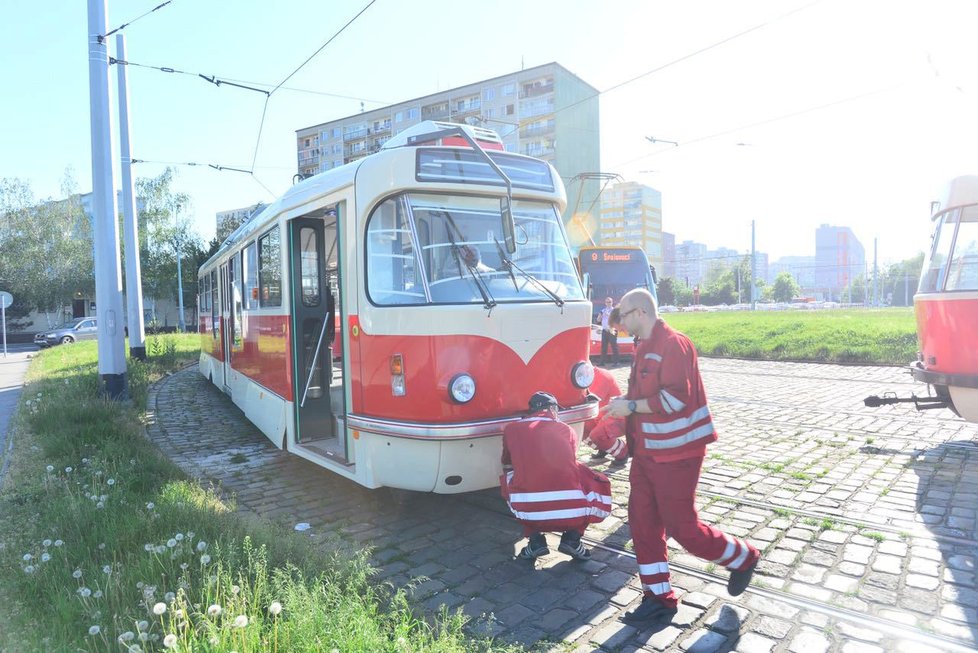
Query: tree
[[47, 249], [666, 291], [785, 287], [165, 231], [900, 280]]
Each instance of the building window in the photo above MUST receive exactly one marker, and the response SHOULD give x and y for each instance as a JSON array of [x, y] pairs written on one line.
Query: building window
[[270, 270], [508, 89], [412, 113], [251, 277], [488, 94]]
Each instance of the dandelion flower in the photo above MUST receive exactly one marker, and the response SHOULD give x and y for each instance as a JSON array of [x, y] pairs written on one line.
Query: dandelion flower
[[111, 481], [85, 592], [100, 505], [127, 636], [204, 559], [214, 611], [139, 585], [94, 630], [45, 557], [275, 609], [201, 546], [159, 608], [142, 625], [178, 537], [76, 573], [240, 621], [148, 547], [183, 566], [59, 543], [84, 461], [170, 641], [27, 557], [107, 569], [150, 505], [169, 596], [171, 542], [97, 594], [50, 468], [235, 589], [67, 470], [29, 569], [46, 543]]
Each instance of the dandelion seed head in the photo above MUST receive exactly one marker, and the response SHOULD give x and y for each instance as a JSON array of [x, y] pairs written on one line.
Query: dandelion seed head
[[139, 585], [214, 610], [94, 630], [100, 505], [29, 569], [50, 468], [142, 625], [27, 557], [97, 594], [84, 460], [275, 609], [68, 470], [148, 547], [150, 505], [107, 569], [59, 543], [178, 537], [143, 636], [160, 549], [45, 557], [183, 566], [46, 543], [76, 573], [111, 481], [235, 589], [240, 621], [170, 641], [204, 559], [171, 542], [127, 636], [159, 608], [169, 596], [201, 545], [85, 592]]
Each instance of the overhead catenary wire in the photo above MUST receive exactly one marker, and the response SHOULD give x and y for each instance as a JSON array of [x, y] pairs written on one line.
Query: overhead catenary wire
[[102, 37]]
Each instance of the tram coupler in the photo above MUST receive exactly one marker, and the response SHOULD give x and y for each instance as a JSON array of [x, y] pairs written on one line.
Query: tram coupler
[[920, 403]]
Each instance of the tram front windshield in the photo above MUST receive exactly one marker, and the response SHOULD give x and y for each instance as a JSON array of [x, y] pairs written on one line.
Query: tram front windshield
[[448, 249], [952, 262]]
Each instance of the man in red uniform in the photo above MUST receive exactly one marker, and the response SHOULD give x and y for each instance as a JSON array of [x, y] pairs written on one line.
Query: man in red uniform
[[544, 485], [669, 426], [604, 431]]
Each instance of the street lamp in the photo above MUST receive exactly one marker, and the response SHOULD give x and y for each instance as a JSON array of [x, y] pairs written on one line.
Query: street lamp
[[178, 242]]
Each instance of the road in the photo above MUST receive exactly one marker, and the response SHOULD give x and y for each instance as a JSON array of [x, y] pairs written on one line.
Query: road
[[867, 519]]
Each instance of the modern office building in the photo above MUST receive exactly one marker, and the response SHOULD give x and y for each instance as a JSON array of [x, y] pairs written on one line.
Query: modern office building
[[546, 112], [690, 263], [802, 268], [631, 214], [839, 258], [668, 255]]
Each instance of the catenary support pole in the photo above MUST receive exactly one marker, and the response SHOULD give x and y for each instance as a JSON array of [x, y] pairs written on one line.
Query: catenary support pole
[[134, 277], [108, 278], [753, 267]]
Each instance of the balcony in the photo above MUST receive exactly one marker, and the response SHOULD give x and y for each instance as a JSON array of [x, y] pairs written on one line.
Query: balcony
[[536, 90], [356, 135], [439, 112]]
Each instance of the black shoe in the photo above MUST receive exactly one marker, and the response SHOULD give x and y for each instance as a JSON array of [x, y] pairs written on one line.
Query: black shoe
[[572, 546], [739, 580], [535, 548], [598, 454], [650, 611]]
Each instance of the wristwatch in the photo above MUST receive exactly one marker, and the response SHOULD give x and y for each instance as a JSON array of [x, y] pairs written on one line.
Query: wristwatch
[[632, 406]]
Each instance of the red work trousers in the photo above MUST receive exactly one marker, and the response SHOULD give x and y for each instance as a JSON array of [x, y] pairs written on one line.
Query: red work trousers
[[661, 504]]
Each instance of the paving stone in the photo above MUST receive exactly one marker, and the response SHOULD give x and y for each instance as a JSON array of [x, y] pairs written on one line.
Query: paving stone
[[612, 635], [862, 633], [839, 583], [753, 643], [771, 607], [727, 619], [661, 639], [923, 582], [808, 641], [699, 599], [960, 613], [860, 647], [852, 569], [810, 591], [809, 574], [703, 641]]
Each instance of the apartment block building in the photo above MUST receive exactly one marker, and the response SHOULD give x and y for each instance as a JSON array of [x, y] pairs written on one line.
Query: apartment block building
[[545, 111], [631, 214], [839, 258]]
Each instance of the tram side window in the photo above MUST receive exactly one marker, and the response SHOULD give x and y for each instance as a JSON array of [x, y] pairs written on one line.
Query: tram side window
[[214, 303], [251, 277], [270, 269], [393, 274], [962, 273], [309, 267], [935, 268]]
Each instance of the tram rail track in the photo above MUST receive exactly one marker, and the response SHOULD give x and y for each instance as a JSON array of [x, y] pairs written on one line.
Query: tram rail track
[[888, 628]]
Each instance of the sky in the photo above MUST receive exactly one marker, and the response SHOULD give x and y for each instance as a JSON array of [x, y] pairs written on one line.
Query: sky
[[787, 113]]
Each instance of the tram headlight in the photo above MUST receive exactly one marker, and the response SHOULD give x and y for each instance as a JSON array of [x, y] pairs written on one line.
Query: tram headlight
[[583, 374], [462, 388]]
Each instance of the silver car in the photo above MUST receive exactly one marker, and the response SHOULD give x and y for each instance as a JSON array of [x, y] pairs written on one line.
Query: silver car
[[82, 328]]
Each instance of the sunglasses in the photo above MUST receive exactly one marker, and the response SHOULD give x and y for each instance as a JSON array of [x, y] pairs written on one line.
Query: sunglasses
[[627, 313]]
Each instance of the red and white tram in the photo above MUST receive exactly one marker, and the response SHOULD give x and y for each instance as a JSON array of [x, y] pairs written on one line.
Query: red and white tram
[[946, 306], [388, 318], [946, 303]]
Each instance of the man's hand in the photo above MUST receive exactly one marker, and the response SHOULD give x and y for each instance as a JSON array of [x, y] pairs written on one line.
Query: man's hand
[[618, 407]]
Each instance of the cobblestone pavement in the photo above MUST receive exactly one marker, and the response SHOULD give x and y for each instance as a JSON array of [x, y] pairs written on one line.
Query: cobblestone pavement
[[866, 519]]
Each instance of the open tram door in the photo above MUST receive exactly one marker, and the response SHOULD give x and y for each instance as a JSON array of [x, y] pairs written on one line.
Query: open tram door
[[318, 380]]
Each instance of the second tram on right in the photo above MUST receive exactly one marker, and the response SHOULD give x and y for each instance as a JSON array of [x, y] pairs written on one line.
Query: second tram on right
[[946, 303]]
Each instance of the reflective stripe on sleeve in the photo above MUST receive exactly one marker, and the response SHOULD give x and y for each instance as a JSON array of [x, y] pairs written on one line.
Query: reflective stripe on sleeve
[[678, 441]]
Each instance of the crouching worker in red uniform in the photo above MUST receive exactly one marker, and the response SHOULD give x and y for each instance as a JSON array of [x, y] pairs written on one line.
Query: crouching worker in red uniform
[[544, 485], [604, 432], [669, 426]]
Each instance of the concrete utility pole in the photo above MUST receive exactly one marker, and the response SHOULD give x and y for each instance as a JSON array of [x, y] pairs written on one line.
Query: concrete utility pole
[[134, 278], [108, 278], [876, 276]]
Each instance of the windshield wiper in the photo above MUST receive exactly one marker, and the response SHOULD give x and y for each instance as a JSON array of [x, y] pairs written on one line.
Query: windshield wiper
[[509, 266], [487, 299]]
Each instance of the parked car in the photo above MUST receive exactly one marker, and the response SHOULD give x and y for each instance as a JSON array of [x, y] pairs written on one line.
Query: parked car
[[82, 328]]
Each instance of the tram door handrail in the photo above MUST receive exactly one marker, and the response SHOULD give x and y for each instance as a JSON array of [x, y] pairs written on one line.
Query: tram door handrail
[[315, 358]]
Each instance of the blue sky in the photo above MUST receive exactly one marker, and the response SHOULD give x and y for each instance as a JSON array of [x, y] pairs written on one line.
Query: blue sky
[[792, 114]]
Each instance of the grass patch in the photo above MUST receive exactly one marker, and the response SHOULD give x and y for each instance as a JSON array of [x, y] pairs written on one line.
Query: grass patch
[[878, 336], [874, 535], [107, 546]]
